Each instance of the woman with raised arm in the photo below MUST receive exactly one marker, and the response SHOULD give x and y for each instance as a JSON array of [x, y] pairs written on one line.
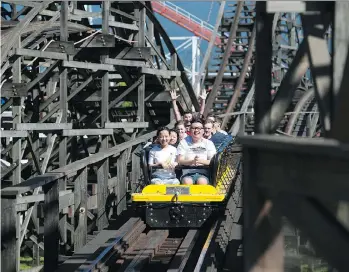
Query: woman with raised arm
[[188, 115]]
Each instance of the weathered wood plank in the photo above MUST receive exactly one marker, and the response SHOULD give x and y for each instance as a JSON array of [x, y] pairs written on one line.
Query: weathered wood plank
[[163, 73], [136, 171], [62, 47], [80, 200], [113, 10], [316, 146], [38, 197], [43, 126], [40, 54], [125, 125], [13, 90], [101, 41], [65, 201], [102, 194], [123, 25], [140, 99], [51, 231], [13, 133], [121, 188], [31, 184], [88, 65], [121, 62], [8, 235], [81, 132]]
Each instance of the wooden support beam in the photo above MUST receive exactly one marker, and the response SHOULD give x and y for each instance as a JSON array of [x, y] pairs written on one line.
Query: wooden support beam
[[63, 104], [13, 134], [140, 100], [340, 84], [135, 53], [8, 235], [121, 188], [80, 200], [103, 168], [40, 54], [101, 41], [320, 64], [163, 73], [120, 62], [86, 14], [120, 12], [102, 194], [88, 65], [51, 231], [123, 25], [263, 240], [17, 144], [82, 132], [13, 90], [62, 47], [43, 126], [126, 125]]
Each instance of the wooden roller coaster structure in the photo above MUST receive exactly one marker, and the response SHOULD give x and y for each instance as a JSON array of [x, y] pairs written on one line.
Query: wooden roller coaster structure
[[80, 99]]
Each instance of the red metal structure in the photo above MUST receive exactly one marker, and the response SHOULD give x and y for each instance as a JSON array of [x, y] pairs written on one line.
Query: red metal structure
[[185, 20]]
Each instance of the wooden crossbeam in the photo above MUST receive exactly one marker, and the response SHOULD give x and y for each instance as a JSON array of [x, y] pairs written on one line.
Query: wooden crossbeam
[[40, 54], [163, 73], [127, 125], [88, 65], [43, 126], [82, 132]]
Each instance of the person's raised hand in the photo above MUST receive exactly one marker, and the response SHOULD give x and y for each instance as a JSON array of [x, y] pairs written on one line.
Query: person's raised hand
[[203, 94], [174, 95]]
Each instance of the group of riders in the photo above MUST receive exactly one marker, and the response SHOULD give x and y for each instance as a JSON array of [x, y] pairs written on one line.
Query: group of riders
[[193, 142]]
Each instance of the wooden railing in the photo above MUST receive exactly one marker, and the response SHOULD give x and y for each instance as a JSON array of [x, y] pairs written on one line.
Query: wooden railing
[[78, 201]]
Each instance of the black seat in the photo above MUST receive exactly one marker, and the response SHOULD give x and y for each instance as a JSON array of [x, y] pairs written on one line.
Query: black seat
[[145, 165]]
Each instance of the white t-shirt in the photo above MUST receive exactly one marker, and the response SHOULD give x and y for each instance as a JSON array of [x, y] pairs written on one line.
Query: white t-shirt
[[204, 149], [163, 155]]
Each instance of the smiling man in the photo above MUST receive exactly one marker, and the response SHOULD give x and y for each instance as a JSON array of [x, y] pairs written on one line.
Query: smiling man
[[195, 150], [214, 136]]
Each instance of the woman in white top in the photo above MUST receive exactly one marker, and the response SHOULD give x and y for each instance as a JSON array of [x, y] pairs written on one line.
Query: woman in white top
[[163, 155]]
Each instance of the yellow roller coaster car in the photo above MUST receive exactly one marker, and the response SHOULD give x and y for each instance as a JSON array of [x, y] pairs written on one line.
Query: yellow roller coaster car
[[172, 206]]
